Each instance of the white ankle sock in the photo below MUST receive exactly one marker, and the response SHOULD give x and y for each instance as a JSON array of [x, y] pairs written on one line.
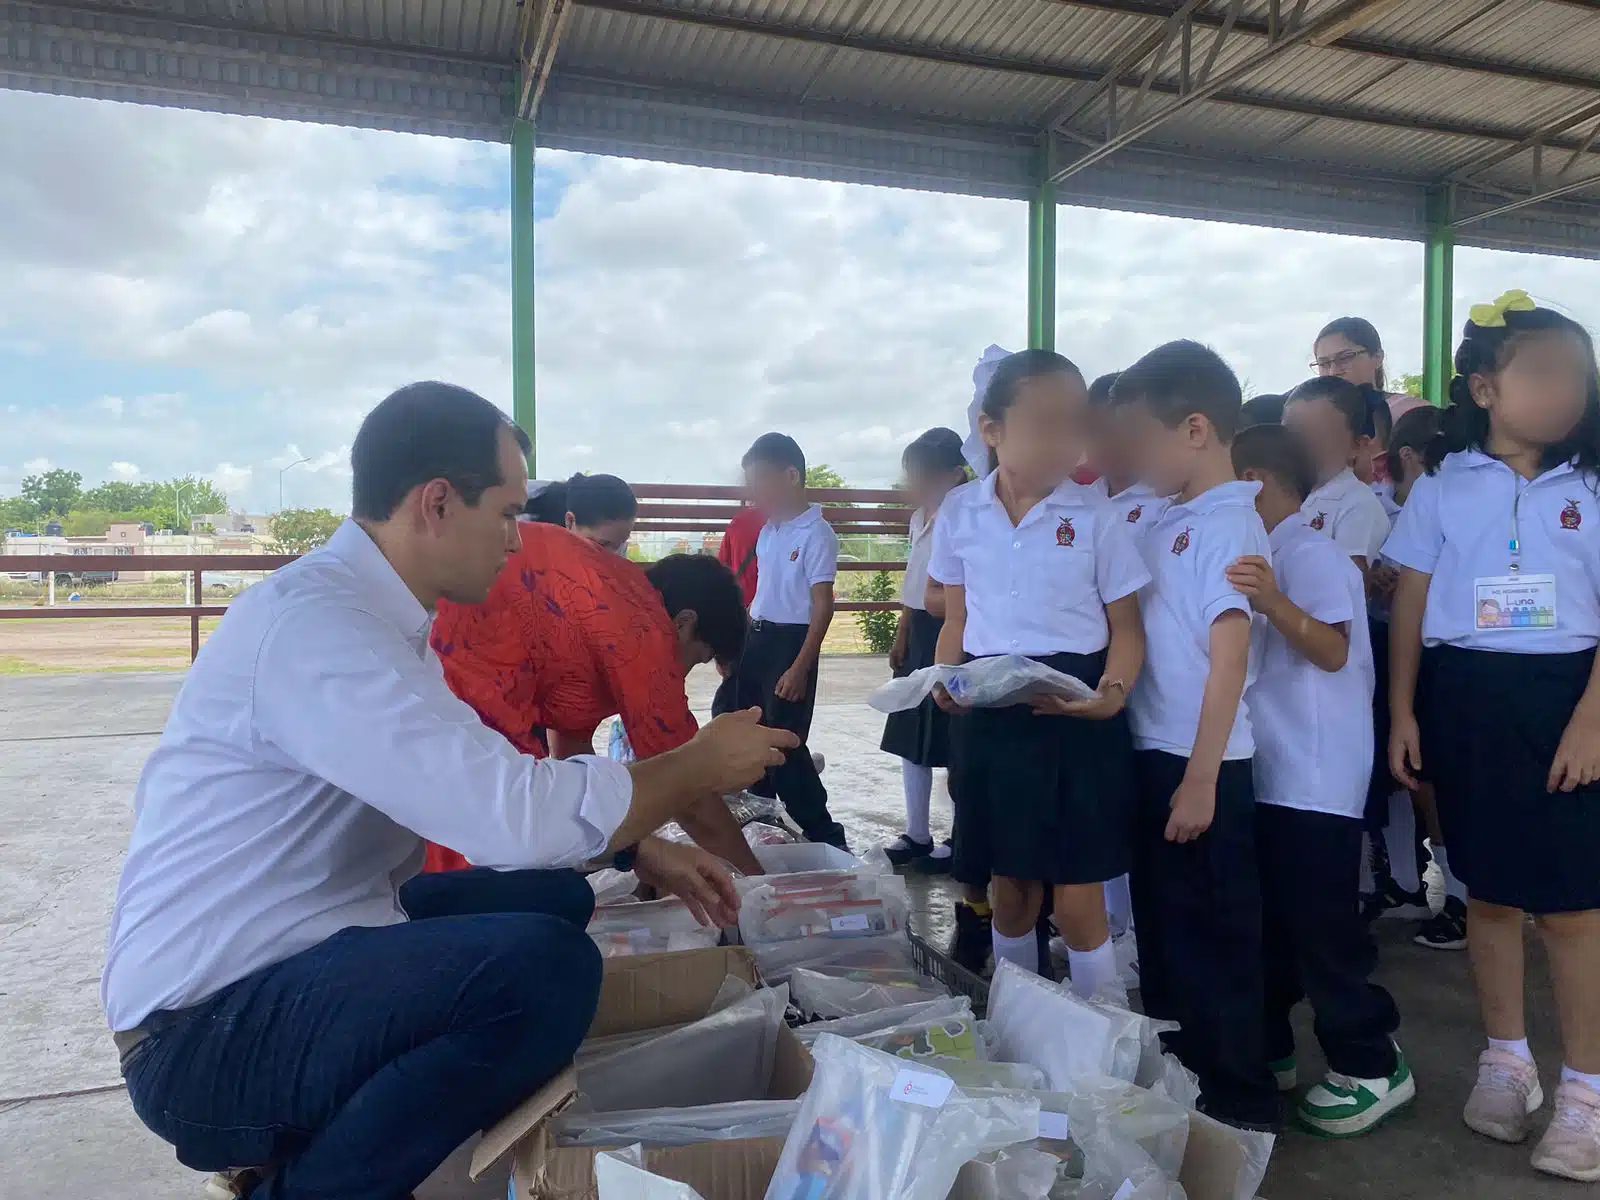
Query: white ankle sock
[[1452, 885], [1024, 950], [1592, 1082], [1519, 1048], [1119, 905], [1092, 969], [1368, 885], [1400, 839], [919, 794]]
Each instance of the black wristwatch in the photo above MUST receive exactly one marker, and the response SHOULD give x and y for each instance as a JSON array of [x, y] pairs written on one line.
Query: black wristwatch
[[624, 859]]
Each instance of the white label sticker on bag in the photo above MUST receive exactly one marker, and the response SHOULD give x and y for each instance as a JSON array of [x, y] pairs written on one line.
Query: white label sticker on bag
[[853, 923], [921, 1087], [1053, 1126], [1127, 1189]]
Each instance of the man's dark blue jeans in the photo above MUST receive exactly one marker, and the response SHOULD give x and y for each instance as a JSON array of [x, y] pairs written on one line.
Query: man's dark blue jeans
[[357, 1066]]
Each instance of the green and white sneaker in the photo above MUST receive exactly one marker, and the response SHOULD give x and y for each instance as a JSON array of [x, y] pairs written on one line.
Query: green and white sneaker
[[1341, 1107], [1286, 1072]]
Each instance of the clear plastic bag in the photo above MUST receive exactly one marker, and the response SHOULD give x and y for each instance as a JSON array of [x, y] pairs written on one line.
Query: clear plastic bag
[[747, 807], [1035, 1021], [936, 1028], [718, 1059], [1104, 1110], [759, 833], [620, 1175], [678, 1126], [832, 991], [872, 1127], [976, 1074], [649, 927], [1235, 1159], [613, 887], [983, 683], [618, 748], [777, 960], [829, 905], [796, 858]]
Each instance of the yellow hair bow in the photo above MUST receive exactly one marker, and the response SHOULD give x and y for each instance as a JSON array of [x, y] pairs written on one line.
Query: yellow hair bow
[[1493, 316]]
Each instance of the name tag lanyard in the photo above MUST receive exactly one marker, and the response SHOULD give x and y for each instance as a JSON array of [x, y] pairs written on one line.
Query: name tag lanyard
[[1516, 529]]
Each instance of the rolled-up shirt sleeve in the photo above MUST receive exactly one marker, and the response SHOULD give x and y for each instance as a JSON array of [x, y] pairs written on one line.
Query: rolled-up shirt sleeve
[[341, 695]]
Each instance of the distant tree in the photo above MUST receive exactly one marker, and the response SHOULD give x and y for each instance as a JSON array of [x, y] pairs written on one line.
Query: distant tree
[[18, 512], [1411, 385], [878, 625], [55, 492], [300, 530], [120, 496], [824, 476]]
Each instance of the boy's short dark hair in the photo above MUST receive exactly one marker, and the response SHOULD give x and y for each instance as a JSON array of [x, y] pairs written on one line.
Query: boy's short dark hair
[[422, 432], [1415, 429], [1100, 389], [1265, 409], [776, 450], [701, 583], [1280, 452], [1183, 379]]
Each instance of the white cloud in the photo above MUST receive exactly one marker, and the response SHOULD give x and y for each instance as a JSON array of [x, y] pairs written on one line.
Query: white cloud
[[580, 451], [124, 470], [231, 479], [110, 404], [35, 466]]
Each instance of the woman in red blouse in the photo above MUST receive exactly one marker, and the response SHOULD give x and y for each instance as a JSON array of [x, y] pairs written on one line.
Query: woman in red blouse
[[572, 633]]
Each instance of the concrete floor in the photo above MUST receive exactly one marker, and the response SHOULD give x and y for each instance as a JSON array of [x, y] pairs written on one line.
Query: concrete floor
[[70, 752]]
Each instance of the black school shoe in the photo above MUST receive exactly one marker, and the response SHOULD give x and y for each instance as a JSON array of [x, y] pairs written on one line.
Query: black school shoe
[[905, 850], [1447, 930], [974, 939], [1391, 900], [1043, 931], [936, 864]]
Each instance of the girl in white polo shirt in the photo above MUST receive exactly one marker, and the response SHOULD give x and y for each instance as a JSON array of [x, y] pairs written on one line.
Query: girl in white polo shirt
[[1311, 711], [1034, 564], [1334, 417], [1499, 550]]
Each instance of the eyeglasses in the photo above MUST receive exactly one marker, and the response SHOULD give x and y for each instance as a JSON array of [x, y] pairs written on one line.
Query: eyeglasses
[[1338, 362]]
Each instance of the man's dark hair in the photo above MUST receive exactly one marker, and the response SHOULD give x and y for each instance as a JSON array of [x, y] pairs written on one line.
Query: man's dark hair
[[776, 450], [1280, 452], [1180, 380], [701, 583], [1265, 409], [422, 432]]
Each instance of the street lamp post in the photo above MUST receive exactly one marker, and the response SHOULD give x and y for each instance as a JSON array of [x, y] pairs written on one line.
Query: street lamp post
[[281, 471], [177, 504]]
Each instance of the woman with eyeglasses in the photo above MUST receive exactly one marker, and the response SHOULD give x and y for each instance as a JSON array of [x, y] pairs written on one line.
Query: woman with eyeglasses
[[1350, 348]]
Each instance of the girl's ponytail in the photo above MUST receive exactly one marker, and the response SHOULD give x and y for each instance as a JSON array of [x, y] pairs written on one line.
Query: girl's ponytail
[[1463, 425]]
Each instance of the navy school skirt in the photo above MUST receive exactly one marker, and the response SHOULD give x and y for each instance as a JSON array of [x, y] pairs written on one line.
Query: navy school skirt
[[920, 735], [1043, 798], [1491, 724]]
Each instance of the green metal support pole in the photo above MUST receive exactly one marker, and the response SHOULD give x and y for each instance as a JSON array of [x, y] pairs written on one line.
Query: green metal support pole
[[1438, 283], [1042, 268], [523, 408]]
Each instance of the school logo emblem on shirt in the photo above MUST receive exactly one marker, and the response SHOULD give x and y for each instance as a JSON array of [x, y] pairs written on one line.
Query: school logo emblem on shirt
[[1318, 521], [1135, 513], [1181, 542], [1571, 515], [1065, 533], [794, 555]]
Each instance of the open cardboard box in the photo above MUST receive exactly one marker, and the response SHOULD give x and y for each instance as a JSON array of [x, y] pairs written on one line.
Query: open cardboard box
[[647, 991]]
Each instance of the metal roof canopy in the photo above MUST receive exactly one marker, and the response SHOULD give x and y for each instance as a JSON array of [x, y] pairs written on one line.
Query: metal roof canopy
[[1346, 116]]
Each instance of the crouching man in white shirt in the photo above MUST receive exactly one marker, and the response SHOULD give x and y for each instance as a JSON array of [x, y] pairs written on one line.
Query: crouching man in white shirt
[[273, 1006]]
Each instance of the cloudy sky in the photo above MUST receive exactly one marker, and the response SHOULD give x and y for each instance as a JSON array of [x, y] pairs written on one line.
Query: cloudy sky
[[187, 292]]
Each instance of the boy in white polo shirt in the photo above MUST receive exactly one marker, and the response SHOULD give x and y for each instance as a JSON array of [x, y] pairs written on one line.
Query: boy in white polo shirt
[[1311, 708], [1196, 888], [797, 559]]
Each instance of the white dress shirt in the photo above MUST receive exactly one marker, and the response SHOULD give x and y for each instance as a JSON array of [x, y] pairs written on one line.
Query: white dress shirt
[[1136, 505], [1458, 525], [1188, 552], [1039, 587], [914, 592], [312, 748], [792, 557], [1313, 728], [1345, 509]]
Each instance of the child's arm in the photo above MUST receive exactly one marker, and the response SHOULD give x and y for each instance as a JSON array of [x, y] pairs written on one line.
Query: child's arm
[[1405, 660], [568, 744], [796, 679], [1194, 804], [902, 640], [1124, 659], [933, 599], [950, 649], [1577, 761], [1325, 644]]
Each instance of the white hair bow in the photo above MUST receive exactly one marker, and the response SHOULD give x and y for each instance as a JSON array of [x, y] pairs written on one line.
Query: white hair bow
[[974, 449]]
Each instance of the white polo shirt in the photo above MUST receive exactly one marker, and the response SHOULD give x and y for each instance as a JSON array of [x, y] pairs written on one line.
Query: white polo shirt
[[792, 557], [1345, 509], [1137, 505], [1187, 552], [914, 592], [1039, 587], [1313, 728], [1457, 526]]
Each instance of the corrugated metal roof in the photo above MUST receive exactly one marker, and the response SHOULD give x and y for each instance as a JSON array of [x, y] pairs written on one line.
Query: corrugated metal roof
[[954, 94]]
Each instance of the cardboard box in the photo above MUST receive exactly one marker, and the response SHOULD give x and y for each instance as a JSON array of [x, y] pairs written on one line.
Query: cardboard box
[[645, 992]]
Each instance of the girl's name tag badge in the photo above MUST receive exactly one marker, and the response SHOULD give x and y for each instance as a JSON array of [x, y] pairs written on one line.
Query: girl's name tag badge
[[1515, 602]]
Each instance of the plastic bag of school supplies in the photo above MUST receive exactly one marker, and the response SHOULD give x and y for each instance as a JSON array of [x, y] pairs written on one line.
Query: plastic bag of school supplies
[[872, 1127], [678, 1126], [620, 1175], [718, 1059], [649, 927], [832, 991], [982, 683], [827, 904], [1035, 1021], [935, 1028], [777, 960], [1101, 1111]]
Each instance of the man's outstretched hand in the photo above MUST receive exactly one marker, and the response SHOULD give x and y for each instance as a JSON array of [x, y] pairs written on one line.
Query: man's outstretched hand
[[699, 879], [737, 749]]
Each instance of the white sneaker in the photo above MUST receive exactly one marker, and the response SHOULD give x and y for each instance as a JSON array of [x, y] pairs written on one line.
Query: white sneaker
[[1506, 1095], [1570, 1148]]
